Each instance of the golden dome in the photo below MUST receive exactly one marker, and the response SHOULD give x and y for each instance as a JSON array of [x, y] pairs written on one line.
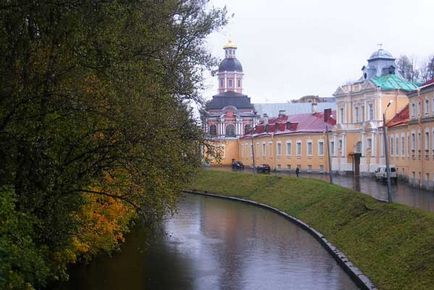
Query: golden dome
[[230, 44]]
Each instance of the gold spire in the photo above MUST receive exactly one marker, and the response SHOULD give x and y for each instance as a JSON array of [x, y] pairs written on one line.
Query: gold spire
[[230, 44]]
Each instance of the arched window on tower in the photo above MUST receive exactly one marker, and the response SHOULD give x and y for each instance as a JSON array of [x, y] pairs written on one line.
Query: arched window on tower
[[213, 130], [247, 129], [230, 130]]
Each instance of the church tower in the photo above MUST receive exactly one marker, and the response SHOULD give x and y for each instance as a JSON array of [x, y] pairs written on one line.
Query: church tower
[[230, 73], [230, 114]]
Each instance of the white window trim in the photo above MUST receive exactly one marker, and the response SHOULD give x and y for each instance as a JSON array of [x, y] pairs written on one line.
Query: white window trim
[[277, 148], [307, 147], [296, 148], [290, 148], [323, 147]]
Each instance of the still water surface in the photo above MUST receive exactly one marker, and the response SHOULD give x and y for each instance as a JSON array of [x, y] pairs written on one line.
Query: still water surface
[[215, 244]]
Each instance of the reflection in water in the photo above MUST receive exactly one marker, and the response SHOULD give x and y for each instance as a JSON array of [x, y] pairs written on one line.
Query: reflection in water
[[401, 192], [216, 244]]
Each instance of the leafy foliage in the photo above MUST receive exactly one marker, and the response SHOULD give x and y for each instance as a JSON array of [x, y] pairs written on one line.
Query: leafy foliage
[[93, 107]]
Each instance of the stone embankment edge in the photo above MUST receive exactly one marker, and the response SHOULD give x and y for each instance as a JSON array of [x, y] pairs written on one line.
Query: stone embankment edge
[[353, 271]]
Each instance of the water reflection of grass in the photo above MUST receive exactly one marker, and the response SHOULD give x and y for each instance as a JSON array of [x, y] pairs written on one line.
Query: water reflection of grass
[[391, 243]]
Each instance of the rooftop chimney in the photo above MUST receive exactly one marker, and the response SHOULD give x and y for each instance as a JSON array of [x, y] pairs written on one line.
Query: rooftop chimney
[[327, 114]]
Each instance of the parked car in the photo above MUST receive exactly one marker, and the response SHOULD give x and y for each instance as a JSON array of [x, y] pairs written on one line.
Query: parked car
[[237, 165], [263, 168], [381, 174]]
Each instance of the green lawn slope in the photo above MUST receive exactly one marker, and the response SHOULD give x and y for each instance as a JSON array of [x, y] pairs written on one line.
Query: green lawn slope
[[391, 243]]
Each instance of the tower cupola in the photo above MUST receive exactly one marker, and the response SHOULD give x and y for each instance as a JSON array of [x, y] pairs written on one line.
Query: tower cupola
[[381, 62], [230, 72]]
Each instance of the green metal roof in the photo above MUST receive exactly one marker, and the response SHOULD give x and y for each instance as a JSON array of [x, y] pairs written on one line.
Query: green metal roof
[[393, 82]]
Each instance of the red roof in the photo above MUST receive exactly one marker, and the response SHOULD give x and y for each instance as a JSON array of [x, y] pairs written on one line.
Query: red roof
[[428, 83], [299, 123], [400, 119]]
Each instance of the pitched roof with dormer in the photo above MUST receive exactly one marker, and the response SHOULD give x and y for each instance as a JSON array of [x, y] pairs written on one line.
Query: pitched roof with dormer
[[293, 124]]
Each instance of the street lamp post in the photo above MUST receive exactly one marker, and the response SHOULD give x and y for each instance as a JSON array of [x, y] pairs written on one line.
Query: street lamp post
[[253, 150], [386, 152], [328, 154]]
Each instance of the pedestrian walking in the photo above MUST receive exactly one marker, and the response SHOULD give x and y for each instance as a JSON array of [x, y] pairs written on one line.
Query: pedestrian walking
[[297, 171]]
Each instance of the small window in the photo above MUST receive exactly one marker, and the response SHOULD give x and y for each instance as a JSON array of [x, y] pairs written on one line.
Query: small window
[[357, 114], [279, 149], [298, 148], [239, 83], [230, 130], [320, 148], [288, 148], [247, 129], [309, 148], [213, 130], [230, 84], [341, 115]]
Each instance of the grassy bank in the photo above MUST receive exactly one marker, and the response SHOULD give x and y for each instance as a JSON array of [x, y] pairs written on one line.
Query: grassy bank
[[391, 243]]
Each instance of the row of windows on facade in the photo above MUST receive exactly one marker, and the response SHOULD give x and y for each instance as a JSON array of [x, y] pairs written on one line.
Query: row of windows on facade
[[309, 148], [229, 130], [359, 114], [230, 83], [417, 109], [398, 148]]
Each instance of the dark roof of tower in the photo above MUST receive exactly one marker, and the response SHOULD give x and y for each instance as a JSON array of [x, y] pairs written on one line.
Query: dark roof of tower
[[381, 54], [230, 64], [229, 98]]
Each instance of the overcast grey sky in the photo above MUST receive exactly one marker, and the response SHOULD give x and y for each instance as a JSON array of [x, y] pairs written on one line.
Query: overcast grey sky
[[293, 48]]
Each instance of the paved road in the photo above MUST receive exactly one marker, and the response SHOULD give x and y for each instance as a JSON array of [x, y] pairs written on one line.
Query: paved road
[[401, 192]]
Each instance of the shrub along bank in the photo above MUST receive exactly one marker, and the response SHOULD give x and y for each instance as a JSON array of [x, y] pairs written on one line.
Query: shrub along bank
[[391, 243]]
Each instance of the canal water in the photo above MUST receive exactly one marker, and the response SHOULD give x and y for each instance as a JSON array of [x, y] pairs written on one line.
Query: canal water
[[401, 191], [213, 243]]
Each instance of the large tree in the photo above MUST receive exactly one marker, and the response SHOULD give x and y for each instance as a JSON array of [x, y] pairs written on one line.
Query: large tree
[[93, 101], [406, 68], [427, 71]]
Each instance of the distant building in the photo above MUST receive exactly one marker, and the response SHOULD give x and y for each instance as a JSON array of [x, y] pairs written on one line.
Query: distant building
[[314, 99], [273, 109], [358, 134], [294, 135], [288, 142], [229, 114], [420, 137]]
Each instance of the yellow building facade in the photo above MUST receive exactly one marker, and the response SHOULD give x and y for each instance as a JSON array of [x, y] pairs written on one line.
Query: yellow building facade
[[289, 142], [420, 133], [355, 130]]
